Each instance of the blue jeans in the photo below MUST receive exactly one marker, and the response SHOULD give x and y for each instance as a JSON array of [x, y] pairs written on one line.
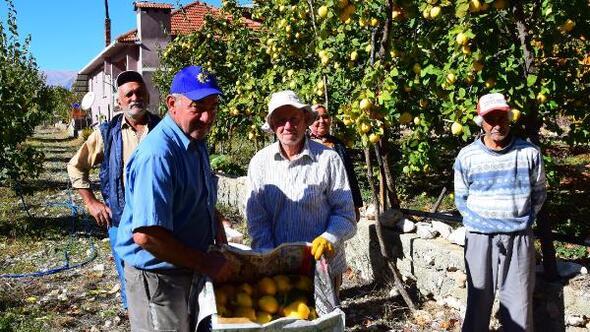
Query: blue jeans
[[118, 263]]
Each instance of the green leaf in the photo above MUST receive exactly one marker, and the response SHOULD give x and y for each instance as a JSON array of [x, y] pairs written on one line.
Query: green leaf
[[461, 93], [461, 10], [384, 96], [531, 80]]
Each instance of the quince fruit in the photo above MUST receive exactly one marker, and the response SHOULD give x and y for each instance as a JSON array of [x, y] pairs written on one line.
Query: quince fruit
[[283, 282], [297, 310], [263, 317], [248, 313], [267, 286], [268, 304], [243, 300]]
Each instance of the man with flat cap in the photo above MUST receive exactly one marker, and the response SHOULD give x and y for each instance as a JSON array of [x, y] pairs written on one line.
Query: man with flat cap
[[111, 146], [170, 221], [298, 189]]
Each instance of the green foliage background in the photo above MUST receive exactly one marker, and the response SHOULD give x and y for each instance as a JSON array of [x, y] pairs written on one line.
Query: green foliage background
[[401, 63], [22, 96]]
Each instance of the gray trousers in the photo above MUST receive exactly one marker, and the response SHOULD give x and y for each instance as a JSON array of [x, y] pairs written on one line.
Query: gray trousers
[[162, 300], [505, 262]]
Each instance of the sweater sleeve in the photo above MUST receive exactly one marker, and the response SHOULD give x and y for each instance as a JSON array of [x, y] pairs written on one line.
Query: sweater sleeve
[[538, 184], [461, 187], [340, 148]]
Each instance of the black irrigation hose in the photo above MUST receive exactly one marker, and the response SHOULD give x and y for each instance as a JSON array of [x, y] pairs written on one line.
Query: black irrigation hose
[[66, 266]]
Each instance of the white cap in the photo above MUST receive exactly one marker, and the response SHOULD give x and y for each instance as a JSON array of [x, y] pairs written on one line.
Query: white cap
[[491, 102], [288, 97]]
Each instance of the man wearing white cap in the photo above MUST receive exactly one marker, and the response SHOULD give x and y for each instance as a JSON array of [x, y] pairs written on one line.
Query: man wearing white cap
[[298, 190], [110, 146], [500, 187]]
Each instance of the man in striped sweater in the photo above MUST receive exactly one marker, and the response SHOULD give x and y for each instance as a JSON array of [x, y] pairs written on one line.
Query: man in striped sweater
[[500, 187]]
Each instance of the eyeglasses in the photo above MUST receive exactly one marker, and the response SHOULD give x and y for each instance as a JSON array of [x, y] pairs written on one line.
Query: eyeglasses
[[293, 120]]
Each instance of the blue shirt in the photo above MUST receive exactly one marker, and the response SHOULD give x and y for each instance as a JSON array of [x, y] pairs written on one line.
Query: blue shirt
[[499, 191], [168, 184]]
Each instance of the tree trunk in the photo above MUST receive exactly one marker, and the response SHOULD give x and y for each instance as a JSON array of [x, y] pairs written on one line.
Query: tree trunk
[[384, 45], [382, 180], [387, 166], [533, 125], [370, 176]]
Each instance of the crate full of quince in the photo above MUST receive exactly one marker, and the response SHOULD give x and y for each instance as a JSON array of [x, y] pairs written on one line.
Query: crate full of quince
[[284, 289]]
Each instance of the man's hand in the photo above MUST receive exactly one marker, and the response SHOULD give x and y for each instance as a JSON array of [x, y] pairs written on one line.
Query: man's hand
[[217, 267], [100, 212], [321, 246], [97, 209]]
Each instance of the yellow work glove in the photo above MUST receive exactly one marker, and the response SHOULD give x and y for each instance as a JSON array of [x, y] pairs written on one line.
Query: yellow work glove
[[320, 246]]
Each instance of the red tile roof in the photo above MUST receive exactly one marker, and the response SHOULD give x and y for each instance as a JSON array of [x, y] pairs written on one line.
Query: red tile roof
[[184, 20], [129, 36]]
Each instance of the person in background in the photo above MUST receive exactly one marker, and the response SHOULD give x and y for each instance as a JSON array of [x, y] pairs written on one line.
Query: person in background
[[319, 131], [298, 190], [110, 146], [170, 220], [500, 187]]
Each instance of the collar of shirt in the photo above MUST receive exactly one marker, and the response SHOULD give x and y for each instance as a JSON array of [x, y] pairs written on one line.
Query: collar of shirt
[[491, 151], [125, 124], [306, 152], [327, 140], [179, 136]]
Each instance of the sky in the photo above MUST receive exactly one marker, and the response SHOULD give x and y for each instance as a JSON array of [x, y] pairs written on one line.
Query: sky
[[67, 34]]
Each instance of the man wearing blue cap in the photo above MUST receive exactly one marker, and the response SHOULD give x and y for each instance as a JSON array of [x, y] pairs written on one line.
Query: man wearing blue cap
[[170, 220], [111, 146]]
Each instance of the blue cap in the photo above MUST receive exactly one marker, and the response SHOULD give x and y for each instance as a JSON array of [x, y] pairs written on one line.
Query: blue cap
[[194, 83]]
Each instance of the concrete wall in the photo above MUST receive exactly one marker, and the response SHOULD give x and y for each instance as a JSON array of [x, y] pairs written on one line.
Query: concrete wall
[[100, 83], [153, 27]]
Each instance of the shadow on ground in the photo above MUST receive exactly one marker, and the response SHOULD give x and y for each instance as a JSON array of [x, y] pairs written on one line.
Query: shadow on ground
[[49, 228]]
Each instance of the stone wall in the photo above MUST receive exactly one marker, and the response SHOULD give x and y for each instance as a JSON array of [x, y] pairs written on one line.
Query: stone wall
[[437, 268], [231, 191]]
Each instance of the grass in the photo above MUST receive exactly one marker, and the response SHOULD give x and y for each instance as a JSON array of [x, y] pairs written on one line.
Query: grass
[[237, 152], [62, 301], [16, 321]]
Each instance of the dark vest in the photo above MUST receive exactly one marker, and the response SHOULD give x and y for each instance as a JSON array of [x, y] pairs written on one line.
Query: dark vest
[[111, 168]]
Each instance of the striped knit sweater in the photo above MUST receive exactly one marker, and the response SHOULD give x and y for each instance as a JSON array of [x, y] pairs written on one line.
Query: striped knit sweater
[[499, 191]]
